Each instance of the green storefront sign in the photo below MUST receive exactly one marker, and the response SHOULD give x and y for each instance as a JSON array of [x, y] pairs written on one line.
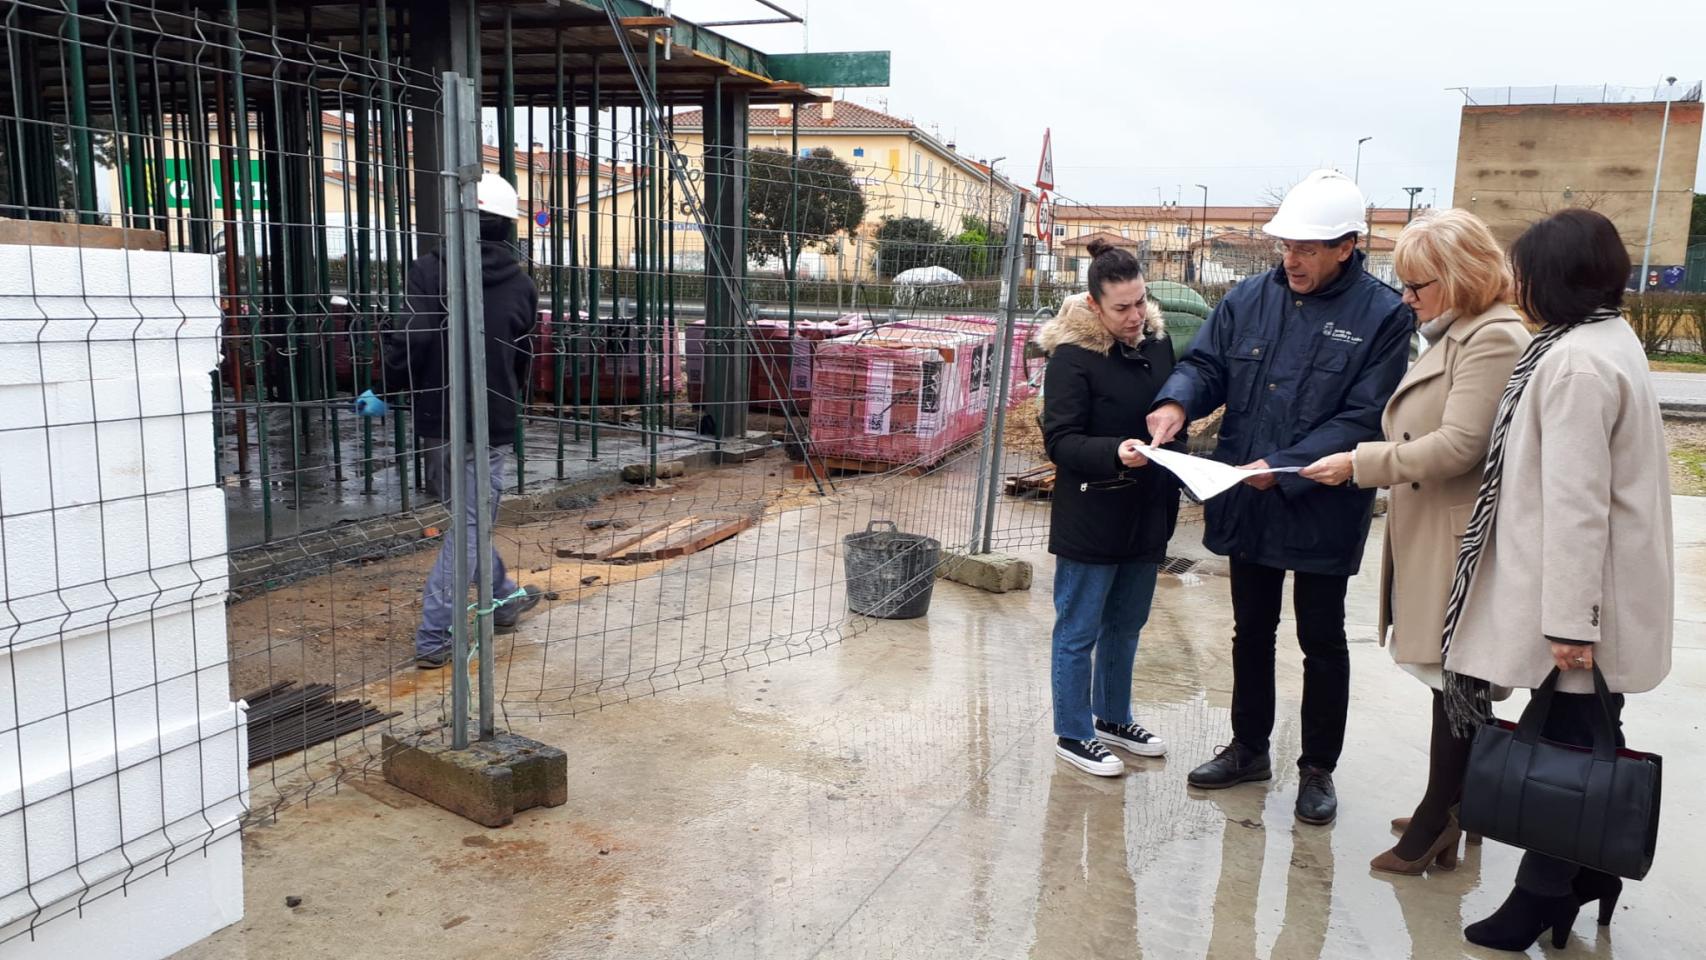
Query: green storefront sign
[[180, 187]]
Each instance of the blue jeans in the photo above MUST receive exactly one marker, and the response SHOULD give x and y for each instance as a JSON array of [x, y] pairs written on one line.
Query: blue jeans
[[441, 600], [1099, 610]]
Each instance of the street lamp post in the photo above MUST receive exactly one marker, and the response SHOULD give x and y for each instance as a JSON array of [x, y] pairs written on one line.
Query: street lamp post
[[1653, 209], [1356, 177], [989, 221], [1203, 249], [1412, 191]]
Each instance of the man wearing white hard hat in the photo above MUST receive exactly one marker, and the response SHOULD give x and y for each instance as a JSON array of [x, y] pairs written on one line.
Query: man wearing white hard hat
[[417, 358], [1304, 358]]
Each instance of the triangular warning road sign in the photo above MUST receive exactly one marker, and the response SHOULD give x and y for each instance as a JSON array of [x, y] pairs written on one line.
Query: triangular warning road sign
[[1045, 167]]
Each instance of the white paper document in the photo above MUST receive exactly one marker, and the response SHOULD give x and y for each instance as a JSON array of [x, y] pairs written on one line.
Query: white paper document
[[1205, 478]]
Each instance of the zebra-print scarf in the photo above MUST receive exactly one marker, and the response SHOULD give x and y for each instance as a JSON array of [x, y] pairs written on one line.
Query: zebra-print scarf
[[1467, 699]]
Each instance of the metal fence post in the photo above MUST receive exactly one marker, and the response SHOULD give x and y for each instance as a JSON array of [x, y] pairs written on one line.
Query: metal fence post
[[997, 421], [456, 324], [473, 291]]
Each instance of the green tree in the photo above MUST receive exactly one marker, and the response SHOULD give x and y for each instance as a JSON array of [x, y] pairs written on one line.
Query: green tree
[[1697, 220], [907, 242], [830, 202], [979, 250]]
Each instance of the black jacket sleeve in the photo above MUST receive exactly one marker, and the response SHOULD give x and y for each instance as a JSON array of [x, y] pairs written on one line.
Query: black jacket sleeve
[[1066, 421], [522, 342], [414, 348]]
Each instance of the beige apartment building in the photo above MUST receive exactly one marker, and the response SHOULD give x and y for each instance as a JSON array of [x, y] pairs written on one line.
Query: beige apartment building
[[1172, 240]]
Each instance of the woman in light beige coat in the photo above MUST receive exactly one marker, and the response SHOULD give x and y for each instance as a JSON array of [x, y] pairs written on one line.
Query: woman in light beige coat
[[1567, 560], [1437, 427]]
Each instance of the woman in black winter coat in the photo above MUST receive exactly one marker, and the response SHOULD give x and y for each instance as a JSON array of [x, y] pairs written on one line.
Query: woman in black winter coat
[[1113, 513]]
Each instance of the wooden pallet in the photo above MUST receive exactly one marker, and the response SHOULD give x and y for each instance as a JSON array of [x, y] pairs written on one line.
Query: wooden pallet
[[831, 465], [1037, 482], [660, 541]]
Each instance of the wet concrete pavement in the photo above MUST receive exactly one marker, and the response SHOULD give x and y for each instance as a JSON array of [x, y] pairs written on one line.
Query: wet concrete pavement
[[896, 795]]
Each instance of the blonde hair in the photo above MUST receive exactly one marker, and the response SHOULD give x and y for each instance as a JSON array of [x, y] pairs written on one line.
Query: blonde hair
[[1455, 248]]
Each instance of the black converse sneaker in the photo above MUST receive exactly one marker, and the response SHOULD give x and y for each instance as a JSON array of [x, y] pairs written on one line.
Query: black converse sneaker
[[1089, 756], [1130, 736]]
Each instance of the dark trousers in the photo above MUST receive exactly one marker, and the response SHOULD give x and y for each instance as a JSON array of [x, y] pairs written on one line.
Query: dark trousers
[[1570, 721], [1318, 600]]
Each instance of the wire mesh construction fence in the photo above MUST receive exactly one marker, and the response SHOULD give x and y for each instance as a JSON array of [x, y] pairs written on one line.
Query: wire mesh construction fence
[[235, 442], [204, 237]]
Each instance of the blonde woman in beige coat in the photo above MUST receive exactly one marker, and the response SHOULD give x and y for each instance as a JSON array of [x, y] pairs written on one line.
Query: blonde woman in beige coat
[[1437, 426]]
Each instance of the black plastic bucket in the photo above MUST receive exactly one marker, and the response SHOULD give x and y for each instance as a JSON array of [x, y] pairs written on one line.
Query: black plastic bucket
[[889, 574]]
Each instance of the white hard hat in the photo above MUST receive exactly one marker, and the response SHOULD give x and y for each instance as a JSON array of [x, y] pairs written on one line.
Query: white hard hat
[[496, 197], [1326, 205]]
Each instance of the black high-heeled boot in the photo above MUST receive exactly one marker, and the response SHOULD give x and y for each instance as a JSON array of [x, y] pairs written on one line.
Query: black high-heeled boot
[[1522, 918], [1591, 885]]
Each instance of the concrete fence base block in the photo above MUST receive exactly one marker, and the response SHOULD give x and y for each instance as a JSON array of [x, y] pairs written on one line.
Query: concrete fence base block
[[641, 472], [994, 572], [489, 783]]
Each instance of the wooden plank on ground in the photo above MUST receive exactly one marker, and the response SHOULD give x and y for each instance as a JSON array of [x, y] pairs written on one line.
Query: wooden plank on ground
[[701, 534], [602, 547], [1038, 480], [642, 548]]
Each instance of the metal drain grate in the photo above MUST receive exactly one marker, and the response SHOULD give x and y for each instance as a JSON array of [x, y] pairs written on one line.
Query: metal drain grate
[[1178, 565]]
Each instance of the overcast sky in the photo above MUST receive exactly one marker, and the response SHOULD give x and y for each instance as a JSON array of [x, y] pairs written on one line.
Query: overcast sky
[[1238, 95]]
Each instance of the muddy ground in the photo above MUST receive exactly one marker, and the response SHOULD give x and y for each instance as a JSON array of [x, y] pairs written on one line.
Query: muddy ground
[[353, 623]]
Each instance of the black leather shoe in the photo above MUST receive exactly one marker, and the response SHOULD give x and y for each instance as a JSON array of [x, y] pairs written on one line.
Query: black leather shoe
[[1317, 802], [1232, 764], [1521, 920]]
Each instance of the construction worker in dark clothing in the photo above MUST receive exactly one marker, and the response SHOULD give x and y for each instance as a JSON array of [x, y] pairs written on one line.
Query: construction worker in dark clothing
[[1304, 358], [417, 357]]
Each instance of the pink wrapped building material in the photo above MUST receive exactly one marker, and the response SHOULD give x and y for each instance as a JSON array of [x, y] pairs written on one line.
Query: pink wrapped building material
[[779, 365], [625, 356], [1021, 369], [895, 396]]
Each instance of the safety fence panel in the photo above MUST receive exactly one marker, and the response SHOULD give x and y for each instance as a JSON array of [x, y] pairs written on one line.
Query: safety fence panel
[[208, 576]]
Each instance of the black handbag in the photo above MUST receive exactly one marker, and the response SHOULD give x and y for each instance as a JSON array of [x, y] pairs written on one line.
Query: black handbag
[[1593, 806]]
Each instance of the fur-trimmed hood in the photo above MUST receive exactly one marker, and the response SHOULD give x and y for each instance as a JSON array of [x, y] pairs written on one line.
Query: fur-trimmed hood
[[1077, 324]]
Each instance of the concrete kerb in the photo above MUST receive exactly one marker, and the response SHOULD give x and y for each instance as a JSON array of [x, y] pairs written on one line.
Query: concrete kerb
[[1681, 410], [992, 572], [488, 783]]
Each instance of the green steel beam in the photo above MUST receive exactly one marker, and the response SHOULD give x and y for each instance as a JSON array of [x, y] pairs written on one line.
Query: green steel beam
[[865, 69]]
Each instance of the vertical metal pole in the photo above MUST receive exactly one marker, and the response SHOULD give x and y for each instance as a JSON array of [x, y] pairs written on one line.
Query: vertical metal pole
[[592, 279], [572, 206], [473, 293], [619, 322], [242, 194], [669, 261], [362, 286], [77, 100], [506, 103], [1653, 209], [456, 323], [230, 303], [793, 228], [1004, 347], [559, 329], [506, 169]]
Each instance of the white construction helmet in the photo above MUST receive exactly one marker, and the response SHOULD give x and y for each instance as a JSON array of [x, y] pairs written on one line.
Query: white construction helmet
[[1326, 205], [495, 196]]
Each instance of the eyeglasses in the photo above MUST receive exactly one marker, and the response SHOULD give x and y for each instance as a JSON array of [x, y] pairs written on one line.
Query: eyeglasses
[[1415, 289]]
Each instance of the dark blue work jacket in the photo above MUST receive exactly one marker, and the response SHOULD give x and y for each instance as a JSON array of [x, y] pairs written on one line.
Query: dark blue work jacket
[[1302, 376]]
